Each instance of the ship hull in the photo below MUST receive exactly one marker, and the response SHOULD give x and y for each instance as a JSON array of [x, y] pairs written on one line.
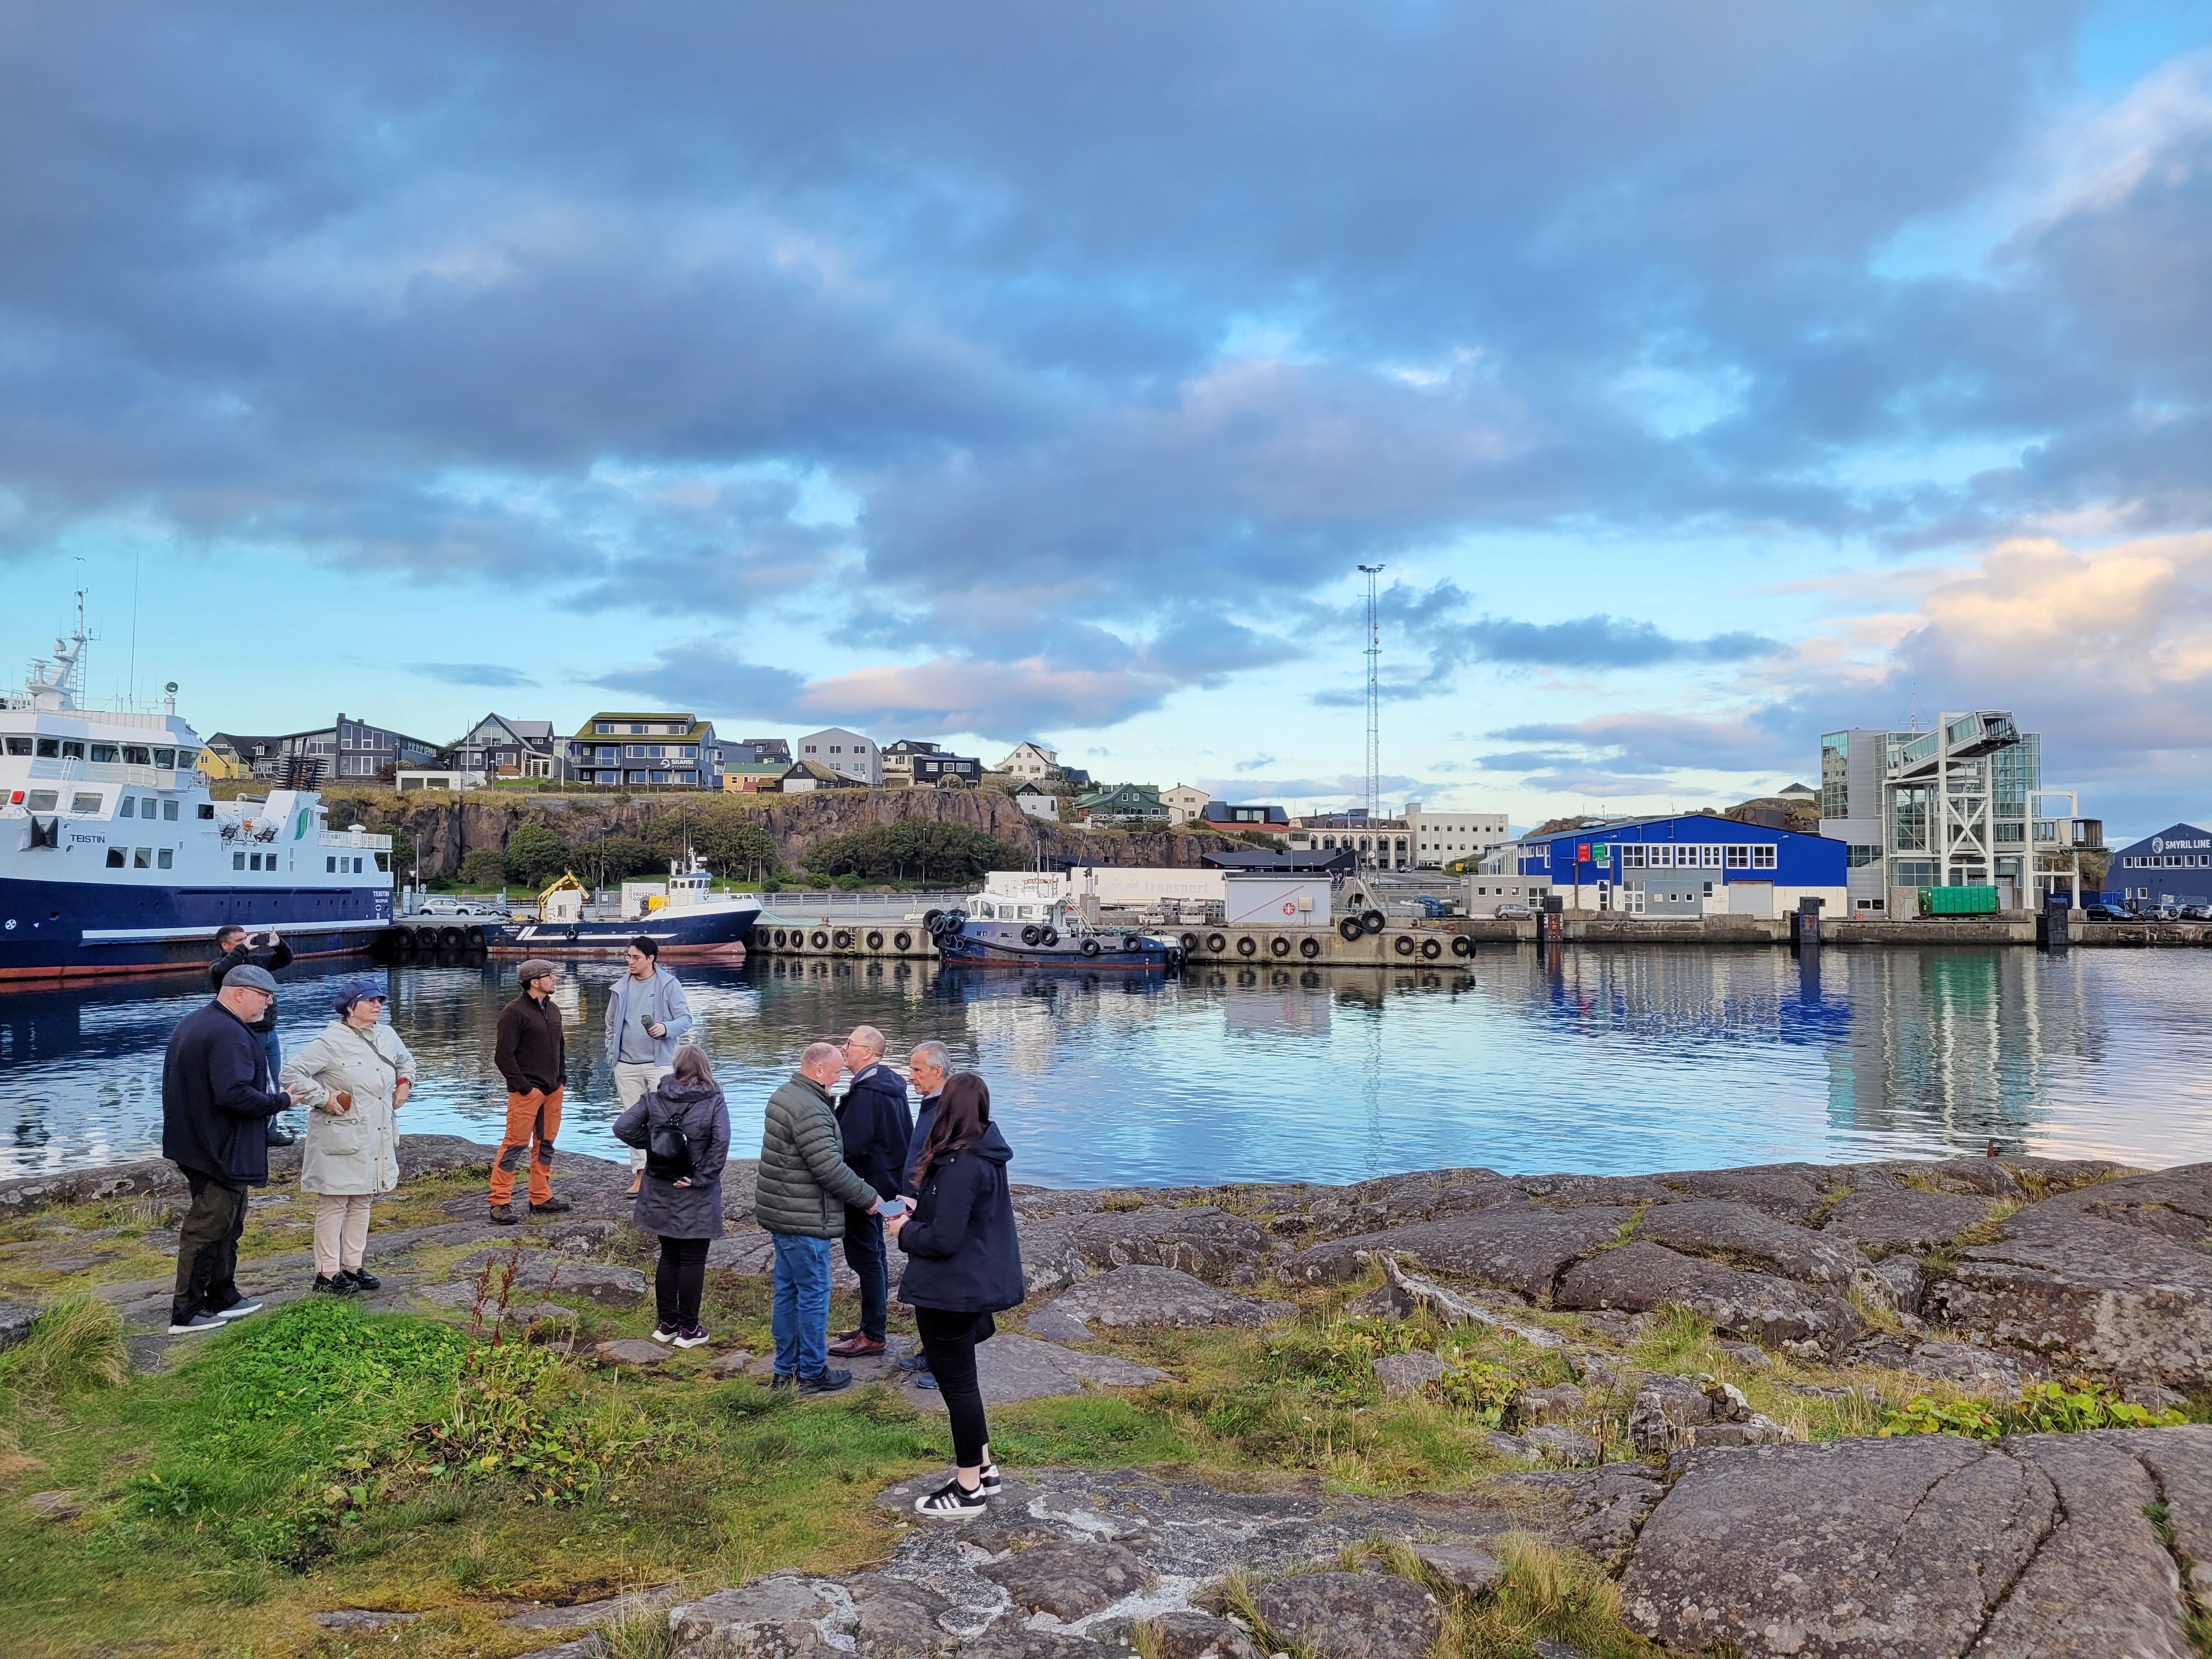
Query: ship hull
[[53, 930], [970, 949], [716, 935]]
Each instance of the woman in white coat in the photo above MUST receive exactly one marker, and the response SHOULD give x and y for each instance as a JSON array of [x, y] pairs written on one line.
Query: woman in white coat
[[353, 1077]]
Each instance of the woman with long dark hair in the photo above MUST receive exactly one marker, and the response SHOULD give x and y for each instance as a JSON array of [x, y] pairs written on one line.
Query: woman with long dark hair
[[683, 1127], [963, 1264]]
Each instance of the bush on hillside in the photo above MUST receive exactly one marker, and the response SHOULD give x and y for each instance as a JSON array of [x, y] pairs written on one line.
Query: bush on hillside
[[914, 850], [485, 867], [535, 855]]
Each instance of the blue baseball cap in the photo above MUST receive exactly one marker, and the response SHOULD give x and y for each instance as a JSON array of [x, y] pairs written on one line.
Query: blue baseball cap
[[358, 990]]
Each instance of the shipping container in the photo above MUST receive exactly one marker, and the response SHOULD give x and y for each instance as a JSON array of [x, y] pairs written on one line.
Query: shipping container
[[1958, 901]]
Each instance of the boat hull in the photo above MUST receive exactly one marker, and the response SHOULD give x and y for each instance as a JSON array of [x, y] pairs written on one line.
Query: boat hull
[[57, 930], [715, 935], [972, 948]]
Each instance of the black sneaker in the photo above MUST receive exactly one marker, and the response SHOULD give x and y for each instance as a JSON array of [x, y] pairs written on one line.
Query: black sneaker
[[503, 1215], [952, 1502], [552, 1207], [279, 1136], [828, 1380], [365, 1279], [342, 1285], [783, 1380], [990, 1486]]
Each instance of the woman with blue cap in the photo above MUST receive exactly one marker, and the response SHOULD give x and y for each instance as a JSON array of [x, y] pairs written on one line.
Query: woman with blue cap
[[353, 1077]]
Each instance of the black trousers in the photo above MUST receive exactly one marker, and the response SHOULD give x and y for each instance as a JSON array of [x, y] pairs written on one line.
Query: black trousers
[[866, 1256], [207, 1249], [950, 1340], [679, 1280]]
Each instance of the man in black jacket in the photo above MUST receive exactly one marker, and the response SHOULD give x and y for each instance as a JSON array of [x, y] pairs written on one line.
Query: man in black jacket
[[217, 1101], [239, 949], [532, 1053], [875, 1125], [926, 1068]]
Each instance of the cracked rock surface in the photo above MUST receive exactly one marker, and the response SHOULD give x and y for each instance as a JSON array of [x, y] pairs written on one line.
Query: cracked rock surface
[[2037, 1546]]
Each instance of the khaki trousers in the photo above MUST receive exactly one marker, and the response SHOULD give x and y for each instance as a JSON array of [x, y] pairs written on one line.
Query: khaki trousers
[[532, 1121], [633, 1081], [341, 1232]]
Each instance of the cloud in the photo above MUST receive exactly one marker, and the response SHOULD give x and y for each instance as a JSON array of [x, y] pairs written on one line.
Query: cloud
[[472, 673], [1254, 764]]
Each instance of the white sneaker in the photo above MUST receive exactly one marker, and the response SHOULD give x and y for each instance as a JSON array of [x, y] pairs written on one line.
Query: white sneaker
[[951, 1502], [989, 1484], [198, 1323]]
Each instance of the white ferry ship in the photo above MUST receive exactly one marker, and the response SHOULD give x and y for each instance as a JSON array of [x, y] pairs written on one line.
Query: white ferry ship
[[115, 859]]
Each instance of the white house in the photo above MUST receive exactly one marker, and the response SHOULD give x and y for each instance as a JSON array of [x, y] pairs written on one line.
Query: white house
[[1037, 803], [1442, 838], [1183, 803], [1032, 761], [843, 752]]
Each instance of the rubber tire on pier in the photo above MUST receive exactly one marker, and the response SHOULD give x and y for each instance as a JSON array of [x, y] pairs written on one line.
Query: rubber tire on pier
[[775, 938], [902, 940], [426, 939], [1431, 949], [1309, 948], [1374, 922], [1248, 946], [820, 941], [1190, 943], [1090, 947], [474, 938], [1279, 946], [929, 919], [1174, 955], [1351, 930], [1462, 946], [875, 941], [1405, 945], [1215, 945], [449, 939], [403, 940], [1029, 933], [844, 941]]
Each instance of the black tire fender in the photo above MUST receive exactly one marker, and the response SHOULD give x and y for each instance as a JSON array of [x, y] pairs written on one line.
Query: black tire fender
[[1090, 947], [875, 941], [930, 918], [1048, 936], [902, 940], [1215, 945], [1248, 946], [1309, 948], [1462, 946], [1190, 943], [844, 939], [1132, 942], [821, 940], [1351, 930], [475, 938], [1405, 945], [1029, 933], [1431, 949], [1279, 946], [1374, 922], [450, 937]]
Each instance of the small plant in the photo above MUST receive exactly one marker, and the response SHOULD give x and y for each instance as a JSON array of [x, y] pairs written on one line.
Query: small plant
[[76, 1344], [1485, 1392], [2042, 1408]]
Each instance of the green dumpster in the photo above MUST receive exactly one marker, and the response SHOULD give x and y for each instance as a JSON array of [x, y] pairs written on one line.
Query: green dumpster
[[1958, 901]]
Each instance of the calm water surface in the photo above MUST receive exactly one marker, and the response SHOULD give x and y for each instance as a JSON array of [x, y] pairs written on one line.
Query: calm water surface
[[1611, 1060]]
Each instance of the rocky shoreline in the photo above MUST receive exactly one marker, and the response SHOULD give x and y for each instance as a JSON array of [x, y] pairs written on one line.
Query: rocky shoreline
[[1984, 1274]]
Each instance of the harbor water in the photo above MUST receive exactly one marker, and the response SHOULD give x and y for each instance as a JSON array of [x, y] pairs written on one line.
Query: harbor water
[[1598, 1059]]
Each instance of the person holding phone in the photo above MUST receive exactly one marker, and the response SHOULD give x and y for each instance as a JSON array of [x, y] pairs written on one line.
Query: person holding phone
[[352, 1076], [646, 1016], [237, 948], [963, 1264], [683, 1128]]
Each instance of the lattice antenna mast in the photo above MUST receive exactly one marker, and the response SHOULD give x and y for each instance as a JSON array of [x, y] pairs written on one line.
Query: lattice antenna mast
[[1374, 697]]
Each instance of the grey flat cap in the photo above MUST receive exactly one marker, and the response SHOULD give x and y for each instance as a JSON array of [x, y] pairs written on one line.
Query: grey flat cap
[[252, 978], [536, 968]]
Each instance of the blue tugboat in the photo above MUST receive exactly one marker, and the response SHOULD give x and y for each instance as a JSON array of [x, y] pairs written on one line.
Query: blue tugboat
[[998, 931]]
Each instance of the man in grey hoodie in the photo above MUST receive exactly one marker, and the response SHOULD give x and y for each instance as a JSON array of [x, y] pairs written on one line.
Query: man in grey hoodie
[[647, 1020]]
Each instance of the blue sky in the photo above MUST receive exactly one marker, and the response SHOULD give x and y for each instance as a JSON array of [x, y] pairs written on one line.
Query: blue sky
[[1703, 375]]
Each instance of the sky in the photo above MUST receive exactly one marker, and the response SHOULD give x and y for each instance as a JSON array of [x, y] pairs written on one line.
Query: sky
[[1702, 376]]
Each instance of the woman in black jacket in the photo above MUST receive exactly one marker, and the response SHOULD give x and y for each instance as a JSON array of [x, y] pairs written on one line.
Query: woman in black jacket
[[682, 1201], [963, 1264]]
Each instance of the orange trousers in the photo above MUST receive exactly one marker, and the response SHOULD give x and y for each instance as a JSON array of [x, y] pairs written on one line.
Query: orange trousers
[[532, 1121]]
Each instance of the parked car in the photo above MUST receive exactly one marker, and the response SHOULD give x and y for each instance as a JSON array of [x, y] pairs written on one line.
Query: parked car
[[1513, 913], [2105, 913], [2160, 913], [445, 904], [2197, 912]]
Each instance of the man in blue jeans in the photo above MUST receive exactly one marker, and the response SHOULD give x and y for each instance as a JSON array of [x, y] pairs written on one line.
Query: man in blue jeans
[[800, 1196]]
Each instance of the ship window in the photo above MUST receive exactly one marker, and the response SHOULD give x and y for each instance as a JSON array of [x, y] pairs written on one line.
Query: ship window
[[207, 809], [41, 801], [84, 803], [253, 861], [72, 750], [166, 859], [331, 864], [356, 866], [49, 748], [128, 808], [238, 860], [105, 752], [169, 812], [134, 755], [143, 859], [166, 759], [19, 745], [115, 858]]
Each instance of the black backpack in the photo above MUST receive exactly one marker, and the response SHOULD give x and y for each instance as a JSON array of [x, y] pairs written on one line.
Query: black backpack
[[667, 1154]]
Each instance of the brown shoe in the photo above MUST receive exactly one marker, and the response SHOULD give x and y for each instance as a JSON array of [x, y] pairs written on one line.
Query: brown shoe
[[503, 1215], [857, 1346], [635, 1181]]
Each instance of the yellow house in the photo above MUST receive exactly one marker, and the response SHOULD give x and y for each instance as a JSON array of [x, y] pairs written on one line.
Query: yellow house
[[224, 765]]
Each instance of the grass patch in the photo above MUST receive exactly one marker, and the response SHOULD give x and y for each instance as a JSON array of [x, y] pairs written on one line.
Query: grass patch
[[75, 1345]]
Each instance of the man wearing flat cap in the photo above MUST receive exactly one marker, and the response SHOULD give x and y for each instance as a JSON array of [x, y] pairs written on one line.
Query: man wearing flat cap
[[531, 1052], [217, 1100]]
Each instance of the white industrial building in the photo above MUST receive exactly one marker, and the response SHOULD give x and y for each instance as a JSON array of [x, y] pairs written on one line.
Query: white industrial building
[[1440, 838]]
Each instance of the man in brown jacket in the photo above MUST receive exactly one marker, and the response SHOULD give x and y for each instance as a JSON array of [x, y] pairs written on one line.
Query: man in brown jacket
[[532, 1053]]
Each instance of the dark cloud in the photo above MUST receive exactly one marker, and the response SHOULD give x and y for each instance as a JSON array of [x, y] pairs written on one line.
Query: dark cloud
[[471, 673]]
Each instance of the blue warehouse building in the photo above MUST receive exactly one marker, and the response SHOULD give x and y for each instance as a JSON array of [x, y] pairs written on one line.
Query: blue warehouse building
[[1692, 864], [2173, 866]]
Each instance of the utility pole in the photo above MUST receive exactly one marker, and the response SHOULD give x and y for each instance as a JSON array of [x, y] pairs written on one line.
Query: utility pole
[[1374, 698]]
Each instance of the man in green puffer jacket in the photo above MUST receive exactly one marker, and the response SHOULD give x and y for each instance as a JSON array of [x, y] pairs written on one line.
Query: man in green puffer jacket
[[800, 1197]]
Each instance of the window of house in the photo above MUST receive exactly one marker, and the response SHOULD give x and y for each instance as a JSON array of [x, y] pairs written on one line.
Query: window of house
[[1710, 857], [166, 859], [1762, 857], [1739, 858], [84, 803], [115, 858], [601, 728]]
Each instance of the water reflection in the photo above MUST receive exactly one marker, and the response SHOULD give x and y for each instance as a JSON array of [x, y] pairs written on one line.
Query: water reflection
[[1602, 1059]]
